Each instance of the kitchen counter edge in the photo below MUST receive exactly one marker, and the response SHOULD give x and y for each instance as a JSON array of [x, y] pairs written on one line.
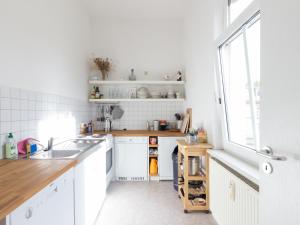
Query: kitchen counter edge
[[141, 133]]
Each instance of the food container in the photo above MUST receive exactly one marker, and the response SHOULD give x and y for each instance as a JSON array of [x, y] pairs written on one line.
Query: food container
[[156, 124], [194, 165]]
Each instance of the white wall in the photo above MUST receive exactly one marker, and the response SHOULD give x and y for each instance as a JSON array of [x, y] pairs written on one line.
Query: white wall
[[44, 46], [153, 45], [199, 63], [44, 50]]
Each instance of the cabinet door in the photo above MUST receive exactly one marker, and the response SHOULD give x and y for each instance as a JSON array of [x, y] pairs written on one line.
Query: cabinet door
[[166, 147], [59, 200], [90, 187]]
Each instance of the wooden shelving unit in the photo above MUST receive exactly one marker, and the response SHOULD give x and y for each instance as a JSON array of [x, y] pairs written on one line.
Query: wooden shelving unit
[[194, 198]]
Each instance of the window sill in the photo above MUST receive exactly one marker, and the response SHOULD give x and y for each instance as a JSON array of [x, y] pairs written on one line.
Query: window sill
[[242, 167]]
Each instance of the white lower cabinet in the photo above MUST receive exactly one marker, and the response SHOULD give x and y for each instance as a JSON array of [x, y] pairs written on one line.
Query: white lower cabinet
[[54, 205], [131, 158], [166, 147], [90, 187]]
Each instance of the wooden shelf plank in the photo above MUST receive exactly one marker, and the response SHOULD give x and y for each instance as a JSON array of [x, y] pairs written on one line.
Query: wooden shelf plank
[[196, 178], [153, 146]]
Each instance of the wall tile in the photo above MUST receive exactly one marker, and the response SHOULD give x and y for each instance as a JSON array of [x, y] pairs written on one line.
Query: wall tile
[[39, 115]]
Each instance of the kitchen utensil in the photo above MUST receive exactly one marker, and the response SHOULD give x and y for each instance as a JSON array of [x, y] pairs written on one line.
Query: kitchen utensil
[[185, 124], [102, 118], [117, 112], [107, 124]]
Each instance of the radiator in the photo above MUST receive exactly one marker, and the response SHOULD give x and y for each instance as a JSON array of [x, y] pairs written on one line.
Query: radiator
[[233, 200]]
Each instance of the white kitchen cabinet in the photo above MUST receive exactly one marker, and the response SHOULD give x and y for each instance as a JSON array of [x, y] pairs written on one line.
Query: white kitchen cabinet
[[166, 147], [131, 158], [90, 187], [53, 205]]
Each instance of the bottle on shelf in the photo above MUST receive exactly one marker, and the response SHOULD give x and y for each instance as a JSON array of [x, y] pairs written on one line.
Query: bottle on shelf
[[132, 76]]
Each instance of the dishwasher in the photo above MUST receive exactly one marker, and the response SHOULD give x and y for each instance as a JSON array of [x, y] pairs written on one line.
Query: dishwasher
[[131, 158]]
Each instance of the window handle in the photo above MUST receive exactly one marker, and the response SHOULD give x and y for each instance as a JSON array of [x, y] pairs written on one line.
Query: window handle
[[268, 153]]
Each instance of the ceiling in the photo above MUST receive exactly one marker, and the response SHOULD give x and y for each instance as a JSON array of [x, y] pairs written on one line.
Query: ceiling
[[136, 9]]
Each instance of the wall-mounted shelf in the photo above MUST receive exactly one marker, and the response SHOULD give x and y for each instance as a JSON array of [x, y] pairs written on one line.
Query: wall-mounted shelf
[[120, 82], [137, 100]]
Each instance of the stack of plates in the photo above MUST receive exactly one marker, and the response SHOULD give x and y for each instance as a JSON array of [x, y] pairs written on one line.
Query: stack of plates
[[143, 92]]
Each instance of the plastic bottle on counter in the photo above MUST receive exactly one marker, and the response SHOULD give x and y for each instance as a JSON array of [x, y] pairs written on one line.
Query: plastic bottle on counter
[[11, 151]]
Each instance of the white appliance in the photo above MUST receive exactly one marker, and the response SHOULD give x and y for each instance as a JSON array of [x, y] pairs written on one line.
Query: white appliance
[[52, 205], [90, 185], [131, 158], [110, 162]]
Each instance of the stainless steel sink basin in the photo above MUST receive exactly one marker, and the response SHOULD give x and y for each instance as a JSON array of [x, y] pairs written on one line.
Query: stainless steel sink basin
[[57, 154]]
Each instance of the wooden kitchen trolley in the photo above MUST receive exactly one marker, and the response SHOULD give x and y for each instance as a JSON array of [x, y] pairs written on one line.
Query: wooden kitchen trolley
[[193, 175]]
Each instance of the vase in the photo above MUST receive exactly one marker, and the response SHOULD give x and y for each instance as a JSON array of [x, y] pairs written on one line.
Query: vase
[[179, 124], [104, 74]]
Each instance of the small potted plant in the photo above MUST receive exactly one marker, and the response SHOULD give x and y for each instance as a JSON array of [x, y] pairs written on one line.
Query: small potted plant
[[179, 118], [191, 136], [104, 66]]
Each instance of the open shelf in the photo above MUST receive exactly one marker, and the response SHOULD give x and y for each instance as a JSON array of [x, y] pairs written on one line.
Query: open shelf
[[104, 100], [154, 82]]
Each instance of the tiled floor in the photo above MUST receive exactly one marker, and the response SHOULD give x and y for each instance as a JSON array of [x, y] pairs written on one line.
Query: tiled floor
[[143, 203]]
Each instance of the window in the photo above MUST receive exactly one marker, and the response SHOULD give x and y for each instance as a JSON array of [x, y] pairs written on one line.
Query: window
[[236, 7], [240, 68]]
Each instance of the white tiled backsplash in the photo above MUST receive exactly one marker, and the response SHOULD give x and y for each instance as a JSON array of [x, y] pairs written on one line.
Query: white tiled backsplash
[[40, 115], [137, 113]]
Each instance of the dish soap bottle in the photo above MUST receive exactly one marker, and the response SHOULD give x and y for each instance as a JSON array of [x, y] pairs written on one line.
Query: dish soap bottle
[[132, 76], [10, 148]]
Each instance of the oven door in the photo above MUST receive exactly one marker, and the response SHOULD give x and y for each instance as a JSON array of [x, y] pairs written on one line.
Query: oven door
[[109, 165]]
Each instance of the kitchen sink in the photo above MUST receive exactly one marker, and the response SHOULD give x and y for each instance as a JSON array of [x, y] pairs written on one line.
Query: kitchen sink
[[57, 154]]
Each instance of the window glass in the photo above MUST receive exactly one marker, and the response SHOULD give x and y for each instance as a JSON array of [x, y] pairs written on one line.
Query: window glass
[[240, 62], [236, 7]]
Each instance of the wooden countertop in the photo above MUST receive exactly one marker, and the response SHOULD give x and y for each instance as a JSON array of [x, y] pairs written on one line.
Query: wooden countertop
[[141, 133], [21, 179], [184, 144]]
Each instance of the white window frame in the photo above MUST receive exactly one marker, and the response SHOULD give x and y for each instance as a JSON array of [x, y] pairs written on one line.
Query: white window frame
[[230, 30]]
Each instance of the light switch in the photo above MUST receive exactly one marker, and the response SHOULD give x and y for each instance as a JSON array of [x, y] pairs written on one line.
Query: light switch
[[267, 168]]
